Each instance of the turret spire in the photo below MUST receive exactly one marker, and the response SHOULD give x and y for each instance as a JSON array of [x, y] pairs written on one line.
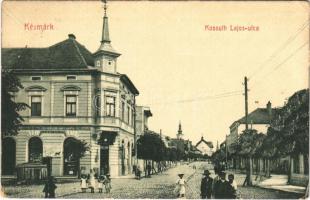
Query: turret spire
[[180, 134], [105, 45], [105, 28]]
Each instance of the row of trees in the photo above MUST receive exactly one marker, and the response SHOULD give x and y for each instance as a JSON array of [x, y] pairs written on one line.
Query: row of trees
[[150, 146], [288, 135]]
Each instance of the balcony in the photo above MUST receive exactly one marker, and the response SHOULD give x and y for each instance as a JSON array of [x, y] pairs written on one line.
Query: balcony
[[115, 122]]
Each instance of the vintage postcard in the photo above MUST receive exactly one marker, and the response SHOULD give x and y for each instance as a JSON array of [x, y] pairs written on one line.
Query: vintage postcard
[[155, 99]]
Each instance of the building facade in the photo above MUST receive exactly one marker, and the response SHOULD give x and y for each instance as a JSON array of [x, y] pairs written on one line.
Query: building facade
[[142, 115], [75, 95], [205, 147]]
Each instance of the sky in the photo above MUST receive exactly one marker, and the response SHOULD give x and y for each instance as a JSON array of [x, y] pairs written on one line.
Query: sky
[[184, 72]]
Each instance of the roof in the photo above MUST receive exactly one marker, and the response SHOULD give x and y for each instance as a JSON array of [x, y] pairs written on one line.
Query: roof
[[128, 82], [258, 116], [148, 113], [210, 144], [68, 54]]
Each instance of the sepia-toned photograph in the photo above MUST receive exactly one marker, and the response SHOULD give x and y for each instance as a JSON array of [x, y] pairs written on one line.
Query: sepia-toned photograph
[[155, 99]]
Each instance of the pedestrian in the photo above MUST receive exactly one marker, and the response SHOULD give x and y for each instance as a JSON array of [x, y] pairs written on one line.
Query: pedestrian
[[180, 186], [221, 187], [134, 169], [149, 169], [92, 182], [50, 187], [83, 183], [101, 183], [107, 183], [206, 185], [216, 178], [138, 172], [232, 190]]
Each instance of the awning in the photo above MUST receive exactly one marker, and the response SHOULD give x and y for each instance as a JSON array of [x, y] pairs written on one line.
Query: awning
[[107, 138]]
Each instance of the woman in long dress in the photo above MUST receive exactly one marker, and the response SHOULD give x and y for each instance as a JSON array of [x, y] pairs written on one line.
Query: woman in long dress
[[181, 185]]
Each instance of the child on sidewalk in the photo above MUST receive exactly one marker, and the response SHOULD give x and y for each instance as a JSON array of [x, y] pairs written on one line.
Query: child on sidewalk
[[107, 183], [83, 183], [101, 180]]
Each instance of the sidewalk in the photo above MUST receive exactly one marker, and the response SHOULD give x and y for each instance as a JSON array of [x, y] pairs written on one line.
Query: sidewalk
[[279, 182], [275, 182]]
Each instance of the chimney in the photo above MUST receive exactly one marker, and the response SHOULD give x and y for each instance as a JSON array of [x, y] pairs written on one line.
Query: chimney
[[71, 36]]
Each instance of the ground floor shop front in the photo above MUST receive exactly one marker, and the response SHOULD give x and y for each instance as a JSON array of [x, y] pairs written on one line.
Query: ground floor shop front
[[113, 155]]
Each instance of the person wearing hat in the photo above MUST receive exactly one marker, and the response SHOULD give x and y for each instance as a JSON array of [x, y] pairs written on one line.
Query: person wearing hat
[[221, 187], [50, 187], [206, 185], [180, 186]]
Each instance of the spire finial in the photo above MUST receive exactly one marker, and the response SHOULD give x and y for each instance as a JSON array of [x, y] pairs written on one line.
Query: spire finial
[[105, 7]]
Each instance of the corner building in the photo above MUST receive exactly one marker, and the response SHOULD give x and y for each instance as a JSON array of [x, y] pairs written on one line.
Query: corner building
[[74, 95]]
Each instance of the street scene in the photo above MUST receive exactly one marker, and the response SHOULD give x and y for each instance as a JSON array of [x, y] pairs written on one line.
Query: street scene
[[158, 186], [155, 100]]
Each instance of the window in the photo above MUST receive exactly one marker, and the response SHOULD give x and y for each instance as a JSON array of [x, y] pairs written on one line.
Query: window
[[71, 77], [98, 63], [128, 114], [98, 105], [35, 149], [71, 105], [110, 103], [36, 78], [123, 110], [133, 117], [36, 103]]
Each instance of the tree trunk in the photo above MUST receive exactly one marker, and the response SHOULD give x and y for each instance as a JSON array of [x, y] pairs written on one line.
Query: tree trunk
[[290, 169], [78, 169], [268, 168], [145, 169], [249, 172]]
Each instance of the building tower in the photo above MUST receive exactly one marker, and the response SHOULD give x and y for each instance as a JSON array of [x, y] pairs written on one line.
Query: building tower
[[106, 56], [180, 134]]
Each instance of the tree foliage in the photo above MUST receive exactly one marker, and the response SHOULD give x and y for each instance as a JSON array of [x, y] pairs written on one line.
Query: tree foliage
[[151, 147], [288, 133], [78, 148], [11, 120]]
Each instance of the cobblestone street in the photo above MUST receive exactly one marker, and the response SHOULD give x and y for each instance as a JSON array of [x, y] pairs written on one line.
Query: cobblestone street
[[158, 186]]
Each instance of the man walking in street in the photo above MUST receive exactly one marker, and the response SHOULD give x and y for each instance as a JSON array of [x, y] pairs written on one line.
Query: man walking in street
[[206, 185]]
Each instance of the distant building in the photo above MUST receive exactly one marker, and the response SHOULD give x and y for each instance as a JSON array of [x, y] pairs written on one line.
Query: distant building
[[259, 119], [206, 147], [142, 115], [180, 134]]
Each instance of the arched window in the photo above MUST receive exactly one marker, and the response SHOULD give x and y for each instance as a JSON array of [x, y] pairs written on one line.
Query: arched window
[[35, 149], [71, 157], [8, 156]]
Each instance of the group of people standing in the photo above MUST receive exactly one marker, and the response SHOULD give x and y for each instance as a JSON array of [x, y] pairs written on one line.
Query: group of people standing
[[93, 182], [219, 187]]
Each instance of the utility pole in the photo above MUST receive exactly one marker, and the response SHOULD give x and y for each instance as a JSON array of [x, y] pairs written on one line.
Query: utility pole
[[246, 102], [248, 179]]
